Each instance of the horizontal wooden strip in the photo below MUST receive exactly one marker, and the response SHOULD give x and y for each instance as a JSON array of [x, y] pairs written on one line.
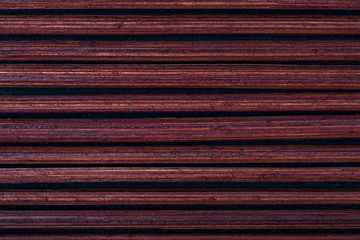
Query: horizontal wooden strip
[[125, 103], [178, 154], [180, 51], [8, 197], [177, 219], [180, 129], [181, 4], [185, 237], [180, 76], [178, 174], [131, 25]]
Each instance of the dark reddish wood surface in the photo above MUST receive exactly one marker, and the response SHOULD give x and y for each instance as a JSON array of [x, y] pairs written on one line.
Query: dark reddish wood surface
[[180, 129], [106, 197], [177, 219], [179, 51], [179, 154], [181, 4], [273, 102], [198, 24], [180, 76], [179, 174]]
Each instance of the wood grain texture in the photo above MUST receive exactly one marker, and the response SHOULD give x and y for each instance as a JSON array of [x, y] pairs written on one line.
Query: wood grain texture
[[179, 154], [180, 76], [177, 219], [185, 237], [106, 197], [178, 174], [180, 129], [178, 51], [126, 103], [181, 4], [175, 24]]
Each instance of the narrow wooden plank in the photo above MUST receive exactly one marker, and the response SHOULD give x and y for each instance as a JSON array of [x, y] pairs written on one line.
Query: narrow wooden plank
[[178, 174], [177, 51], [180, 129], [125, 103], [175, 24], [181, 4], [106, 197], [177, 219], [184, 237], [179, 154], [180, 76]]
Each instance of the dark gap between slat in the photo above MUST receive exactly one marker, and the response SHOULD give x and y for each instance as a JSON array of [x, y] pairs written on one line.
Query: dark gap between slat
[[319, 142], [166, 115], [181, 37], [180, 232], [204, 165], [290, 63], [179, 12], [183, 185], [175, 207], [158, 91]]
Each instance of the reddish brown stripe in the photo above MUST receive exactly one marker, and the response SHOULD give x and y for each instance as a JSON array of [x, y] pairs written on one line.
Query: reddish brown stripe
[[180, 129], [157, 219], [180, 51], [107, 197], [114, 25], [178, 174], [182, 4], [178, 154], [181, 76], [181, 103]]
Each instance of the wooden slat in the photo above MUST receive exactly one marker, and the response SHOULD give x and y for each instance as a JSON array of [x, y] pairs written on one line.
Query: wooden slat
[[177, 219], [178, 174], [180, 129], [175, 24], [181, 4], [176, 51], [106, 197], [179, 154], [126, 103], [180, 76], [185, 237]]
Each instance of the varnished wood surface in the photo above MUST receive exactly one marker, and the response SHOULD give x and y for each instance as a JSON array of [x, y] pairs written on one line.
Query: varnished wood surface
[[182, 4], [273, 102], [247, 76], [179, 154], [106, 197], [198, 24], [180, 129], [181, 219], [179, 51], [179, 174]]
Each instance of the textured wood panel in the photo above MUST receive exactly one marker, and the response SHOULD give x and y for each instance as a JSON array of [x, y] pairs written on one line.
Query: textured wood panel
[[175, 219], [106, 197], [182, 4], [179, 154], [180, 129], [308, 77], [203, 24], [179, 51]]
